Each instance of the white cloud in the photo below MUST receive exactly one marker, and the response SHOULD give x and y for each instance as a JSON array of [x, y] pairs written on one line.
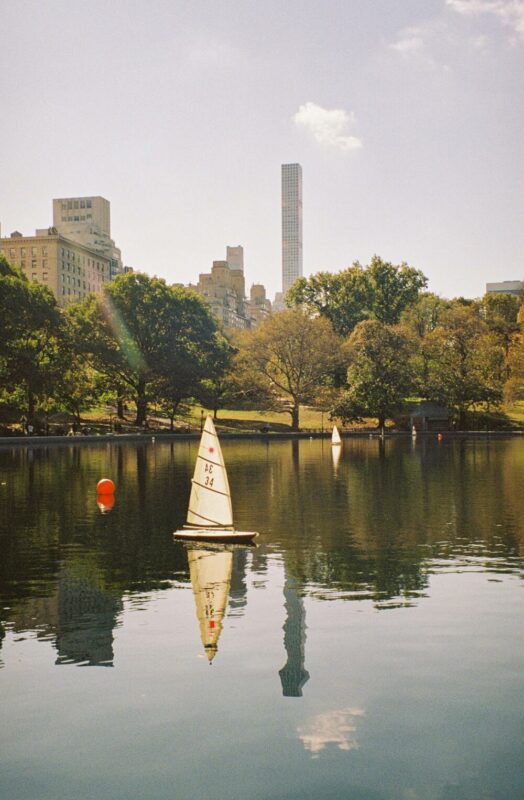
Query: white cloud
[[327, 126], [510, 12], [416, 45], [410, 41]]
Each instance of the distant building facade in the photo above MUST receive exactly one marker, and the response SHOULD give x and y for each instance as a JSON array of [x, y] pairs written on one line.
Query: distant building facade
[[88, 220], [258, 306], [506, 287], [235, 257], [224, 289], [291, 224], [70, 269]]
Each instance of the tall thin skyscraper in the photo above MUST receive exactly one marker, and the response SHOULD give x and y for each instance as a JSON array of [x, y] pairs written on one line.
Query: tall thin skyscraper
[[291, 224]]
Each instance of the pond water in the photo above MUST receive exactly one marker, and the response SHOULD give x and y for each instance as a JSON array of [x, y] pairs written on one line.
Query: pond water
[[371, 647]]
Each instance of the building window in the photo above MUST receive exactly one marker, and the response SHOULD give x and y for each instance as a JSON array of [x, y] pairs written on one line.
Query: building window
[[88, 204], [70, 204], [12, 252], [33, 251], [44, 276], [22, 252], [75, 203], [22, 264], [89, 216], [44, 250], [33, 276], [33, 263], [82, 204]]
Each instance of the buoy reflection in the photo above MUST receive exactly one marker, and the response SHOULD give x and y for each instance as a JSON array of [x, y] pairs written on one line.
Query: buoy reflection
[[105, 502]]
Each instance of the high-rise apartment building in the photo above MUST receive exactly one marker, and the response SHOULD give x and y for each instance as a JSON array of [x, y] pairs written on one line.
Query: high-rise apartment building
[[224, 289], [87, 210], [235, 257], [291, 224], [87, 220]]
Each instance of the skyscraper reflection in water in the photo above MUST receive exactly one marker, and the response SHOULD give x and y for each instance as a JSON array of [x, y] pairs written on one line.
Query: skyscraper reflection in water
[[293, 674]]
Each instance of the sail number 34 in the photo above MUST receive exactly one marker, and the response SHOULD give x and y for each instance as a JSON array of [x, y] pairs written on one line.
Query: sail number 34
[[209, 480]]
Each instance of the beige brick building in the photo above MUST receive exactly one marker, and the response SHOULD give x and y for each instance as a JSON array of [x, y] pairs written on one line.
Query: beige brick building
[[70, 269], [87, 220], [224, 290], [258, 307]]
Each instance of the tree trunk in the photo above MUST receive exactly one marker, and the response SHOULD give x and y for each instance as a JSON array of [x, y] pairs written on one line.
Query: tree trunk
[[462, 419], [141, 403], [172, 421], [30, 406], [295, 417], [215, 413], [381, 423], [120, 406]]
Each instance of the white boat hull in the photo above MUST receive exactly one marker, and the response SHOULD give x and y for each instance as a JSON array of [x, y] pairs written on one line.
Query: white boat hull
[[215, 535]]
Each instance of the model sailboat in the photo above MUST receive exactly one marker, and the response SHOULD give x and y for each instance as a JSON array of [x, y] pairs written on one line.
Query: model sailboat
[[210, 514], [335, 437]]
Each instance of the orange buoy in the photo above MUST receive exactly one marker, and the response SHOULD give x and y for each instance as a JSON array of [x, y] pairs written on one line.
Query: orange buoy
[[105, 486], [105, 502]]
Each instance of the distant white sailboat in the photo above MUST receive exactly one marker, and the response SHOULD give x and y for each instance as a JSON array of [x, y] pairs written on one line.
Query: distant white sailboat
[[335, 437], [210, 514], [210, 572]]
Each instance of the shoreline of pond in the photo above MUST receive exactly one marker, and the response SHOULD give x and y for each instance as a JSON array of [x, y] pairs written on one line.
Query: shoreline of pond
[[154, 437]]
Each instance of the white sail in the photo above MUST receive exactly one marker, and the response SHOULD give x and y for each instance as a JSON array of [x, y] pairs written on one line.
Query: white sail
[[210, 499], [210, 573], [335, 436]]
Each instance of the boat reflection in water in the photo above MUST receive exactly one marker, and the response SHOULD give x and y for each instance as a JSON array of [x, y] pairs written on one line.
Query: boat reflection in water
[[210, 572], [336, 452]]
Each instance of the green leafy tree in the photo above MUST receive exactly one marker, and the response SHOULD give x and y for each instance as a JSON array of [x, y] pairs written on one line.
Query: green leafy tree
[[380, 291], [393, 289], [287, 358], [464, 358], [417, 321], [380, 374], [342, 297], [32, 344], [500, 312], [151, 341]]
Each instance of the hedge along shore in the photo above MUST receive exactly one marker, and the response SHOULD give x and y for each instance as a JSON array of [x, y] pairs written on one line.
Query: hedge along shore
[[150, 438]]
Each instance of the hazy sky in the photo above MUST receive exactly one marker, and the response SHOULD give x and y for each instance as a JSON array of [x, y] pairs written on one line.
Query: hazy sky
[[406, 115]]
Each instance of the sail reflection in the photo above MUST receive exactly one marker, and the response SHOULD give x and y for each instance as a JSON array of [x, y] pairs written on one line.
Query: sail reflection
[[336, 452], [210, 572]]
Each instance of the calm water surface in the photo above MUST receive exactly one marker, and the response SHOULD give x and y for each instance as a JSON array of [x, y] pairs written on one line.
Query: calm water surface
[[371, 647]]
